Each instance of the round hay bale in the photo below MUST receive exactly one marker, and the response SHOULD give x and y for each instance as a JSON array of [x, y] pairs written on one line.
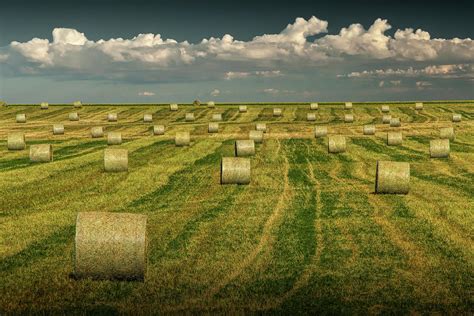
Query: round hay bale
[[97, 132], [211, 104], [77, 104], [16, 141], [439, 148], [348, 105], [447, 133], [261, 127], [336, 144], [147, 118], [320, 131], [217, 117], [311, 117], [235, 170], [395, 122], [182, 139], [44, 106], [419, 106], [348, 118], [158, 130], [110, 246], [242, 108], [369, 129], [456, 118], [392, 177], [196, 102], [21, 118], [112, 117], [386, 118], [213, 127], [114, 138], [115, 160], [277, 112], [385, 109], [74, 116], [58, 129], [394, 138], [313, 106], [256, 136], [244, 148], [189, 117], [41, 153], [173, 107]]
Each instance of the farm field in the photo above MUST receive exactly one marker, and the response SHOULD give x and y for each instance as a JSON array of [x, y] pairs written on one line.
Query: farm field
[[307, 235]]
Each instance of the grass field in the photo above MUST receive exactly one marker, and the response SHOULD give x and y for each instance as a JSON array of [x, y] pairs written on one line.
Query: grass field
[[306, 236]]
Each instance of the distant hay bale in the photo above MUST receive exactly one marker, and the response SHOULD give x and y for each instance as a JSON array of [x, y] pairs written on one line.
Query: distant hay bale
[[369, 129], [189, 117], [256, 136], [173, 107], [110, 246], [244, 148], [16, 141], [3, 103], [213, 127], [439, 148], [77, 104], [182, 139], [74, 116], [314, 106], [112, 117], [336, 144], [21, 118], [261, 127], [41, 153], [447, 133], [419, 106], [456, 118], [385, 109], [114, 138], [348, 105], [97, 132], [392, 177], [311, 117], [58, 129], [211, 104], [242, 108], [386, 118], [320, 131], [44, 106], [235, 170], [277, 112], [348, 118], [147, 118], [217, 117], [115, 160], [158, 130], [395, 122], [394, 138], [196, 102]]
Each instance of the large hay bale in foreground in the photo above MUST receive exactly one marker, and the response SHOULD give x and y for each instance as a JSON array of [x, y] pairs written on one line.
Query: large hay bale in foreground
[[311, 117], [213, 127], [21, 118], [261, 127], [385, 109], [182, 139], [173, 107], [256, 136], [115, 160], [147, 118], [217, 117], [419, 106], [235, 170], [211, 104], [41, 153], [439, 148], [44, 106], [394, 138], [314, 106], [196, 102], [348, 118], [320, 131], [456, 118], [392, 177], [369, 129], [242, 108], [16, 141], [348, 105], [189, 117], [97, 132], [244, 148], [77, 104], [447, 133], [110, 246], [336, 144], [112, 117], [395, 122], [58, 129], [386, 118], [74, 116], [158, 130], [114, 138], [277, 112]]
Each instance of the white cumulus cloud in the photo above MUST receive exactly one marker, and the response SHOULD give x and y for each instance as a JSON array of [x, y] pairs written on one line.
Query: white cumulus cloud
[[146, 94]]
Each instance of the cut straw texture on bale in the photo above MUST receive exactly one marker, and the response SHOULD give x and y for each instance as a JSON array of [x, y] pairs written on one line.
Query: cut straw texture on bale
[[58, 129], [369, 129], [44, 106], [97, 132], [395, 122], [418, 106], [173, 107], [348, 105], [394, 138], [392, 177], [456, 118], [21, 118], [244, 148], [439, 148], [242, 108], [256, 136], [211, 104], [386, 118], [16, 141], [182, 139], [385, 109], [277, 112], [447, 133], [189, 117], [213, 127], [110, 246], [77, 104], [147, 118], [114, 138], [41, 153], [311, 117], [261, 127], [235, 170], [314, 106], [74, 116], [112, 117], [320, 131], [115, 160], [336, 144], [348, 118], [217, 117], [158, 130]]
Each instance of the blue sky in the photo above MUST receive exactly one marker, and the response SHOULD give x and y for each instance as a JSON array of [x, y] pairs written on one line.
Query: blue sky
[[177, 51]]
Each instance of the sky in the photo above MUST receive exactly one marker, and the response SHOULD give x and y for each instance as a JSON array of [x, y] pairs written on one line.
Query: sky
[[107, 51]]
